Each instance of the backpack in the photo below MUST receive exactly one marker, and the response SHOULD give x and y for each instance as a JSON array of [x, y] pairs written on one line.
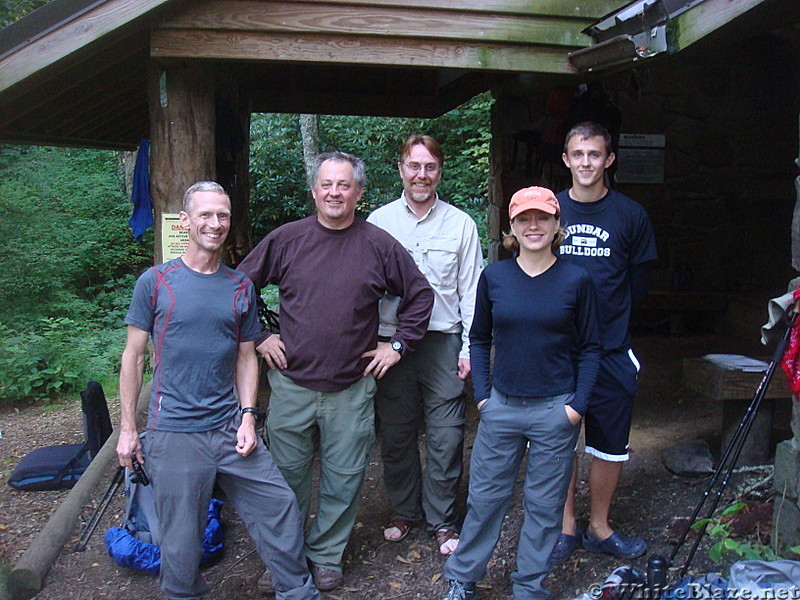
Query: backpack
[[135, 544], [140, 508]]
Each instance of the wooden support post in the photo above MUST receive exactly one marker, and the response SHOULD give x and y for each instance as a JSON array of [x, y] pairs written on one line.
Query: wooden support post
[[182, 121], [27, 577], [524, 151], [233, 164], [499, 194]]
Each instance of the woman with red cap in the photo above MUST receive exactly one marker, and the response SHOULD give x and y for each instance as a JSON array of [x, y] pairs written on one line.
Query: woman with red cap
[[539, 313]]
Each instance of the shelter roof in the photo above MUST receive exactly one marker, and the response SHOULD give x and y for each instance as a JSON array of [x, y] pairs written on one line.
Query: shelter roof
[[75, 71]]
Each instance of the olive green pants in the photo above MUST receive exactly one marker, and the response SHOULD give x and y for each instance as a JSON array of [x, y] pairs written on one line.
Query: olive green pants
[[344, 424]]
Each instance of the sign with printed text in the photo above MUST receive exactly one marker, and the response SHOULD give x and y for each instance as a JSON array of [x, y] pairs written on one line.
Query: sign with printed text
[[642, 140], [174, 238], [640, 158]]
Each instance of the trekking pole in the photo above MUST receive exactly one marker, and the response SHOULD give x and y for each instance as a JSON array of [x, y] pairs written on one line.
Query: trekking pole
[[99, 511], [734, 448]]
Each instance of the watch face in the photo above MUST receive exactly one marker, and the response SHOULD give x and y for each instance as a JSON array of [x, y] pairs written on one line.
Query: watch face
[[397, 346]]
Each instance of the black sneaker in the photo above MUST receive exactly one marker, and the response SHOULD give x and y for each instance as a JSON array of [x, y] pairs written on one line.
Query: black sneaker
[[460, 591]]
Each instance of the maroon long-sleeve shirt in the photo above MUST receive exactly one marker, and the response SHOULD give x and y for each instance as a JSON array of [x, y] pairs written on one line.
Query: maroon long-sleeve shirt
[[330, 282]]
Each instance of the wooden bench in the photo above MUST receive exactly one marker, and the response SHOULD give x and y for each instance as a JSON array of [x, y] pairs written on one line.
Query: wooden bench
[[735, 388]]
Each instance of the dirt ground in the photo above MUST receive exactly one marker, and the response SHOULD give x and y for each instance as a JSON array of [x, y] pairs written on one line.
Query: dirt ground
[[650, 502]]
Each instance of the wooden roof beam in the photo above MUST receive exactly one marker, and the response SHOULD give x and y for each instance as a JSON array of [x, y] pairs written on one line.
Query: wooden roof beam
[[396, 21], [703, 19], [106, 92], [101, 65], [74, 35], [189, 44], [556, 8]]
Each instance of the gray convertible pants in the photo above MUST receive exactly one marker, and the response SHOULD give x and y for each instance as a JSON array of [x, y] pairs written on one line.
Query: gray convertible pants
[[183, 468], [425, 384], [507, 424]]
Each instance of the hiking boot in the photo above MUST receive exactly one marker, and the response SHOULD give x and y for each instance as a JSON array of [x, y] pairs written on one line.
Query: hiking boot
[[264, 584], [326, 579], [460, 591]]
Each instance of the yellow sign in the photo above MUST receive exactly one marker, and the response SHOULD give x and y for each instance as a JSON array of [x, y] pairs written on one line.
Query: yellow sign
[[174, 238]]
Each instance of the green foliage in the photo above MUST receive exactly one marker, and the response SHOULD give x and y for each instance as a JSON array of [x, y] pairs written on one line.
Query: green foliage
[[271, 297], [68, 214], [719, 528], [13, 10], [68, 275], [54, 357], [280, 193]]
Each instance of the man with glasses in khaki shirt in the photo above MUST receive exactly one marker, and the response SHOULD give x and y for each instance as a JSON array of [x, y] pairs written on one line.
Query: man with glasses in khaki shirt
[[428, 384]]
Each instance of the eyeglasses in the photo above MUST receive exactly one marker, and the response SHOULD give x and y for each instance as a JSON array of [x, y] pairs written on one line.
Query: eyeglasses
[[429, 169]]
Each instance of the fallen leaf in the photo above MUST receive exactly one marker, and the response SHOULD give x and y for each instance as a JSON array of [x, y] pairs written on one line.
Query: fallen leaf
[[403, 559], [396, 585], [414, 554], [436, 578]]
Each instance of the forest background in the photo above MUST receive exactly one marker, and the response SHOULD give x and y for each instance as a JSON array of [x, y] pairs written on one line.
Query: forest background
[[69, 260]]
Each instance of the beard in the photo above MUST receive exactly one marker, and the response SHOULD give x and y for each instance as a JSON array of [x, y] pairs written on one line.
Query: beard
[[420, 196]]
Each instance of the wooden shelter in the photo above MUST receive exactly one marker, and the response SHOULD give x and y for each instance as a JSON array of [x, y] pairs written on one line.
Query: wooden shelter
[[724, 89], [188, 74]]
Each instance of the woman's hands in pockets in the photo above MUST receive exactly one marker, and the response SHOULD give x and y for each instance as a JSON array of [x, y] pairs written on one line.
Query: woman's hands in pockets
[[573, 415]]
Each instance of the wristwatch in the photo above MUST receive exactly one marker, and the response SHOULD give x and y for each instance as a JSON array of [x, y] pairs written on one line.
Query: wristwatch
[[398, 347], [252, 410]]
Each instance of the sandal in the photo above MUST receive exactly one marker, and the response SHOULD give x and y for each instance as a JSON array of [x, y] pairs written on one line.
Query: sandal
[[398, 530], [447, 540]]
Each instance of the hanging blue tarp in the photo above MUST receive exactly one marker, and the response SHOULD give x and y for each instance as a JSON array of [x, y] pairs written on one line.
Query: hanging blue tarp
[[142, 216]]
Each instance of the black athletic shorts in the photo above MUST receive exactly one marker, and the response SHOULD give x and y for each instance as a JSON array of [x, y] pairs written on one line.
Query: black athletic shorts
[[608, 416]]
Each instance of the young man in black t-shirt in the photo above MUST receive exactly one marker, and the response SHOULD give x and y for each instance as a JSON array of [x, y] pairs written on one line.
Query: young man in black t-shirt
[[610, 235]]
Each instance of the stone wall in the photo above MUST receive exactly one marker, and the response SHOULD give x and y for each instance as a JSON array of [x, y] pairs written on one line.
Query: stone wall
[[786, 513], [730, 121]]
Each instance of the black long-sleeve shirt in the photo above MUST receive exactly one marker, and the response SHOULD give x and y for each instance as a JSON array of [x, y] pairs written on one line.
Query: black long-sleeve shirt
[[544, 329]]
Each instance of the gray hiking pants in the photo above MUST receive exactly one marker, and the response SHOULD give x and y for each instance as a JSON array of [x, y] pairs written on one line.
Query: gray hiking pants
[[425, 384], [507, 424], [183, 468]]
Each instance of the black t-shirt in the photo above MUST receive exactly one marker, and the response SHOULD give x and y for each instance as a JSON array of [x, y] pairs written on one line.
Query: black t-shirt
[[607, 238]]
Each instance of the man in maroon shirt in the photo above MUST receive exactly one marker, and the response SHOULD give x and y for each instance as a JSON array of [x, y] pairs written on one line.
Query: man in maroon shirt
[[332, 269]]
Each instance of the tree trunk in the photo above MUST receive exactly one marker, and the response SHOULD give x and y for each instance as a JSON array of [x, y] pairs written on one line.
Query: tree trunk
[[126, 161], [310, 135]]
